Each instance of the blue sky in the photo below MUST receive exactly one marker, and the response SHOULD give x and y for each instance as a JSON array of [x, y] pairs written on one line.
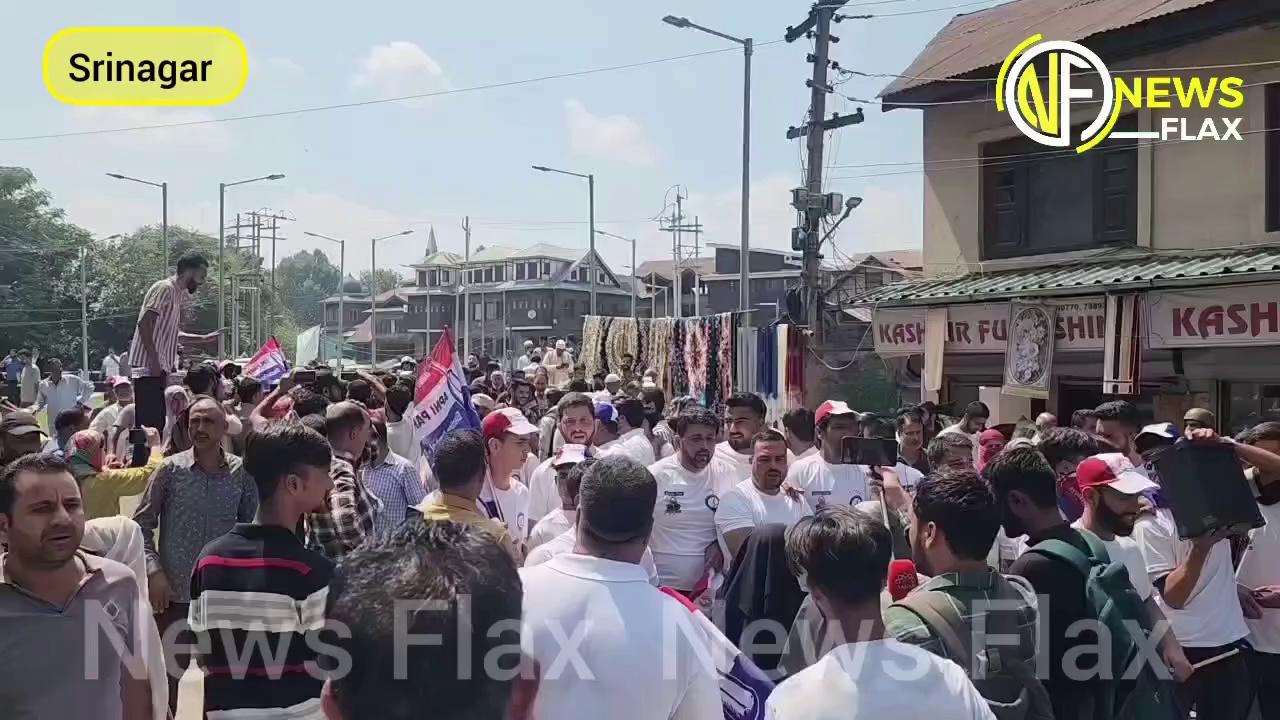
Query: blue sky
[[362, 172]]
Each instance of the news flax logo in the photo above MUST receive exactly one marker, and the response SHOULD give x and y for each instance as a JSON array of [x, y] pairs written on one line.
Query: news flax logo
[[1042, 82]]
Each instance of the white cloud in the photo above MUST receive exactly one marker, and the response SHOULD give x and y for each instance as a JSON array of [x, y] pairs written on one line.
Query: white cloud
[[201, 136], [613, 137], [399, 68]]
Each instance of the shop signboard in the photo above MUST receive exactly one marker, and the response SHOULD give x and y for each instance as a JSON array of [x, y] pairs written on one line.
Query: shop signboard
[[1080, 324], [1236, 316]]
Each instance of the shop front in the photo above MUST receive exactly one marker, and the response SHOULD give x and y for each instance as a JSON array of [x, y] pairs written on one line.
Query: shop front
[[1216, 347]]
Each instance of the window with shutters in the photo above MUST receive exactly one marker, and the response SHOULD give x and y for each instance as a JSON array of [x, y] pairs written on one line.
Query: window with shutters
[[1039, 200]]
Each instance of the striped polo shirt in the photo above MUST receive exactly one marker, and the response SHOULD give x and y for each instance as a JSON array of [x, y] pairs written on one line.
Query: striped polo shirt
[[166, 299], [257, 599]]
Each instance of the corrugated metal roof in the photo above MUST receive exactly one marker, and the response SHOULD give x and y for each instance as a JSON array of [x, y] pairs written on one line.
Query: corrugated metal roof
[[982, 39], [1125, 269], [495, 253]]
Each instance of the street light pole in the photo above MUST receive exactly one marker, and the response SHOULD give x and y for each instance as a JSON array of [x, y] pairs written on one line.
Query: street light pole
[[222, 251], [591, 246], [164, 217], [744, 264], [342, 295], [373, 295], [591, 222], [634, 281]]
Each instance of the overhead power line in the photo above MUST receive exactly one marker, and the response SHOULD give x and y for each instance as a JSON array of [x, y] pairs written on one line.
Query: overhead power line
[[385, 100]]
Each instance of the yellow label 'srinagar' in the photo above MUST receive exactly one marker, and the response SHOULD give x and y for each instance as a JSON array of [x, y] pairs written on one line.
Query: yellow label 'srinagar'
[[145, 66]]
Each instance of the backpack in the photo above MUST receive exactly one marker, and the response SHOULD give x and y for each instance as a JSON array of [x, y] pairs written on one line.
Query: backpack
[[1110, 597], [1004, 679]]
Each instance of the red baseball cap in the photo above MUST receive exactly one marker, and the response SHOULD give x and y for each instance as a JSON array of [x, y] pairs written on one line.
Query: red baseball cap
[[832, 407], [1112, 470], [506, 420]]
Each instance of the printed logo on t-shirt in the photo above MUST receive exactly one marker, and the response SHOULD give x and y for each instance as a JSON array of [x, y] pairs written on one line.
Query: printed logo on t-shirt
[[712, 502], [855, 500], [822, 496], [673, 502]]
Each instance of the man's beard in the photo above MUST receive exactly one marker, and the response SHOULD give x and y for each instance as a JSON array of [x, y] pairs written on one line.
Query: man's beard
[[741, 444], [1113, 521]]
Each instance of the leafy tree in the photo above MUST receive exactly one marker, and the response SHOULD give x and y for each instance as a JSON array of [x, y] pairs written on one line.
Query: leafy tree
[[303, 281], [388, 279], [39, 270]]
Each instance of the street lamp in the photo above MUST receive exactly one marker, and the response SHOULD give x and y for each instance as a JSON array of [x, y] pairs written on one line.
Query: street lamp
[[591, 221], [164, 217], [222, 247], [373, 294], [342, 293], [745, 264], [633, 265]]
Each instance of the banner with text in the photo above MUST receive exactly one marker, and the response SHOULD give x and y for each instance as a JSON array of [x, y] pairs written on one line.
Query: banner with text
[[1080, 324], [1215, 317]]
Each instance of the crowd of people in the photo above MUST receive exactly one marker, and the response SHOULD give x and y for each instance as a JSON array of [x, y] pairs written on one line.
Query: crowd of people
[[602, 550]]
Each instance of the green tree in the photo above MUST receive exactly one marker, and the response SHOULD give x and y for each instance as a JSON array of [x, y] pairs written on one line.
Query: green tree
[[303, 281], [388, 279], [39, 269]]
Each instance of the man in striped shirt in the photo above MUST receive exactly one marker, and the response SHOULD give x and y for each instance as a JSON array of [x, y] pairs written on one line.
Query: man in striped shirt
[[258, 595], [154, 351]]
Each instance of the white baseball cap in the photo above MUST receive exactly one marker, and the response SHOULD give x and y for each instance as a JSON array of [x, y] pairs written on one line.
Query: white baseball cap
[[832, 407], [613, 377], [569, 455], [1112, 470]]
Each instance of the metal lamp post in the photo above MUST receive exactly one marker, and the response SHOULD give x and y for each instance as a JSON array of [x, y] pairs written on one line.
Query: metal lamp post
[[222, 249], [744, 266], [164, 217], [591, 221], [633, 265], [373, 294], [342, 293]]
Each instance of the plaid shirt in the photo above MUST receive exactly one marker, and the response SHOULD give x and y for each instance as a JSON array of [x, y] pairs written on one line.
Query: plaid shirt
[[395, 482], [963, 590], [352, 512]]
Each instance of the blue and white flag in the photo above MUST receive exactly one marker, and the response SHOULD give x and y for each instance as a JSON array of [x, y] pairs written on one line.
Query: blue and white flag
[[269, 365], [441, 398]]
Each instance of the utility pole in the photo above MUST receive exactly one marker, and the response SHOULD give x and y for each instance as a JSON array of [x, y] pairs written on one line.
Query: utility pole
[[810, 200], [271, 325], [466, 287], [84, 312], [677, 227]]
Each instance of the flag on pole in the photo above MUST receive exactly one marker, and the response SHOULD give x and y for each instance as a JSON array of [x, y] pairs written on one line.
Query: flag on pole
[[441, 398], [269, 365]]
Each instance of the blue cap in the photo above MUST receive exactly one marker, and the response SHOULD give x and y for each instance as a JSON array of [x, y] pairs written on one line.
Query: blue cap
[[607, 413]]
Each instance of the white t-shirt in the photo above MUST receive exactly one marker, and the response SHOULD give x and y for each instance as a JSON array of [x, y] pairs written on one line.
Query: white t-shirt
[[878, 679], [543, 495], [1212, 615], [1259, 566], [551, 525], [633, 444], [1125, 550], [746, 507], [684, 518], [110, 367], [566, 541], [105, 419], [742, 463], [513, 507], [610, 645], [813, 450], [827, 483]]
